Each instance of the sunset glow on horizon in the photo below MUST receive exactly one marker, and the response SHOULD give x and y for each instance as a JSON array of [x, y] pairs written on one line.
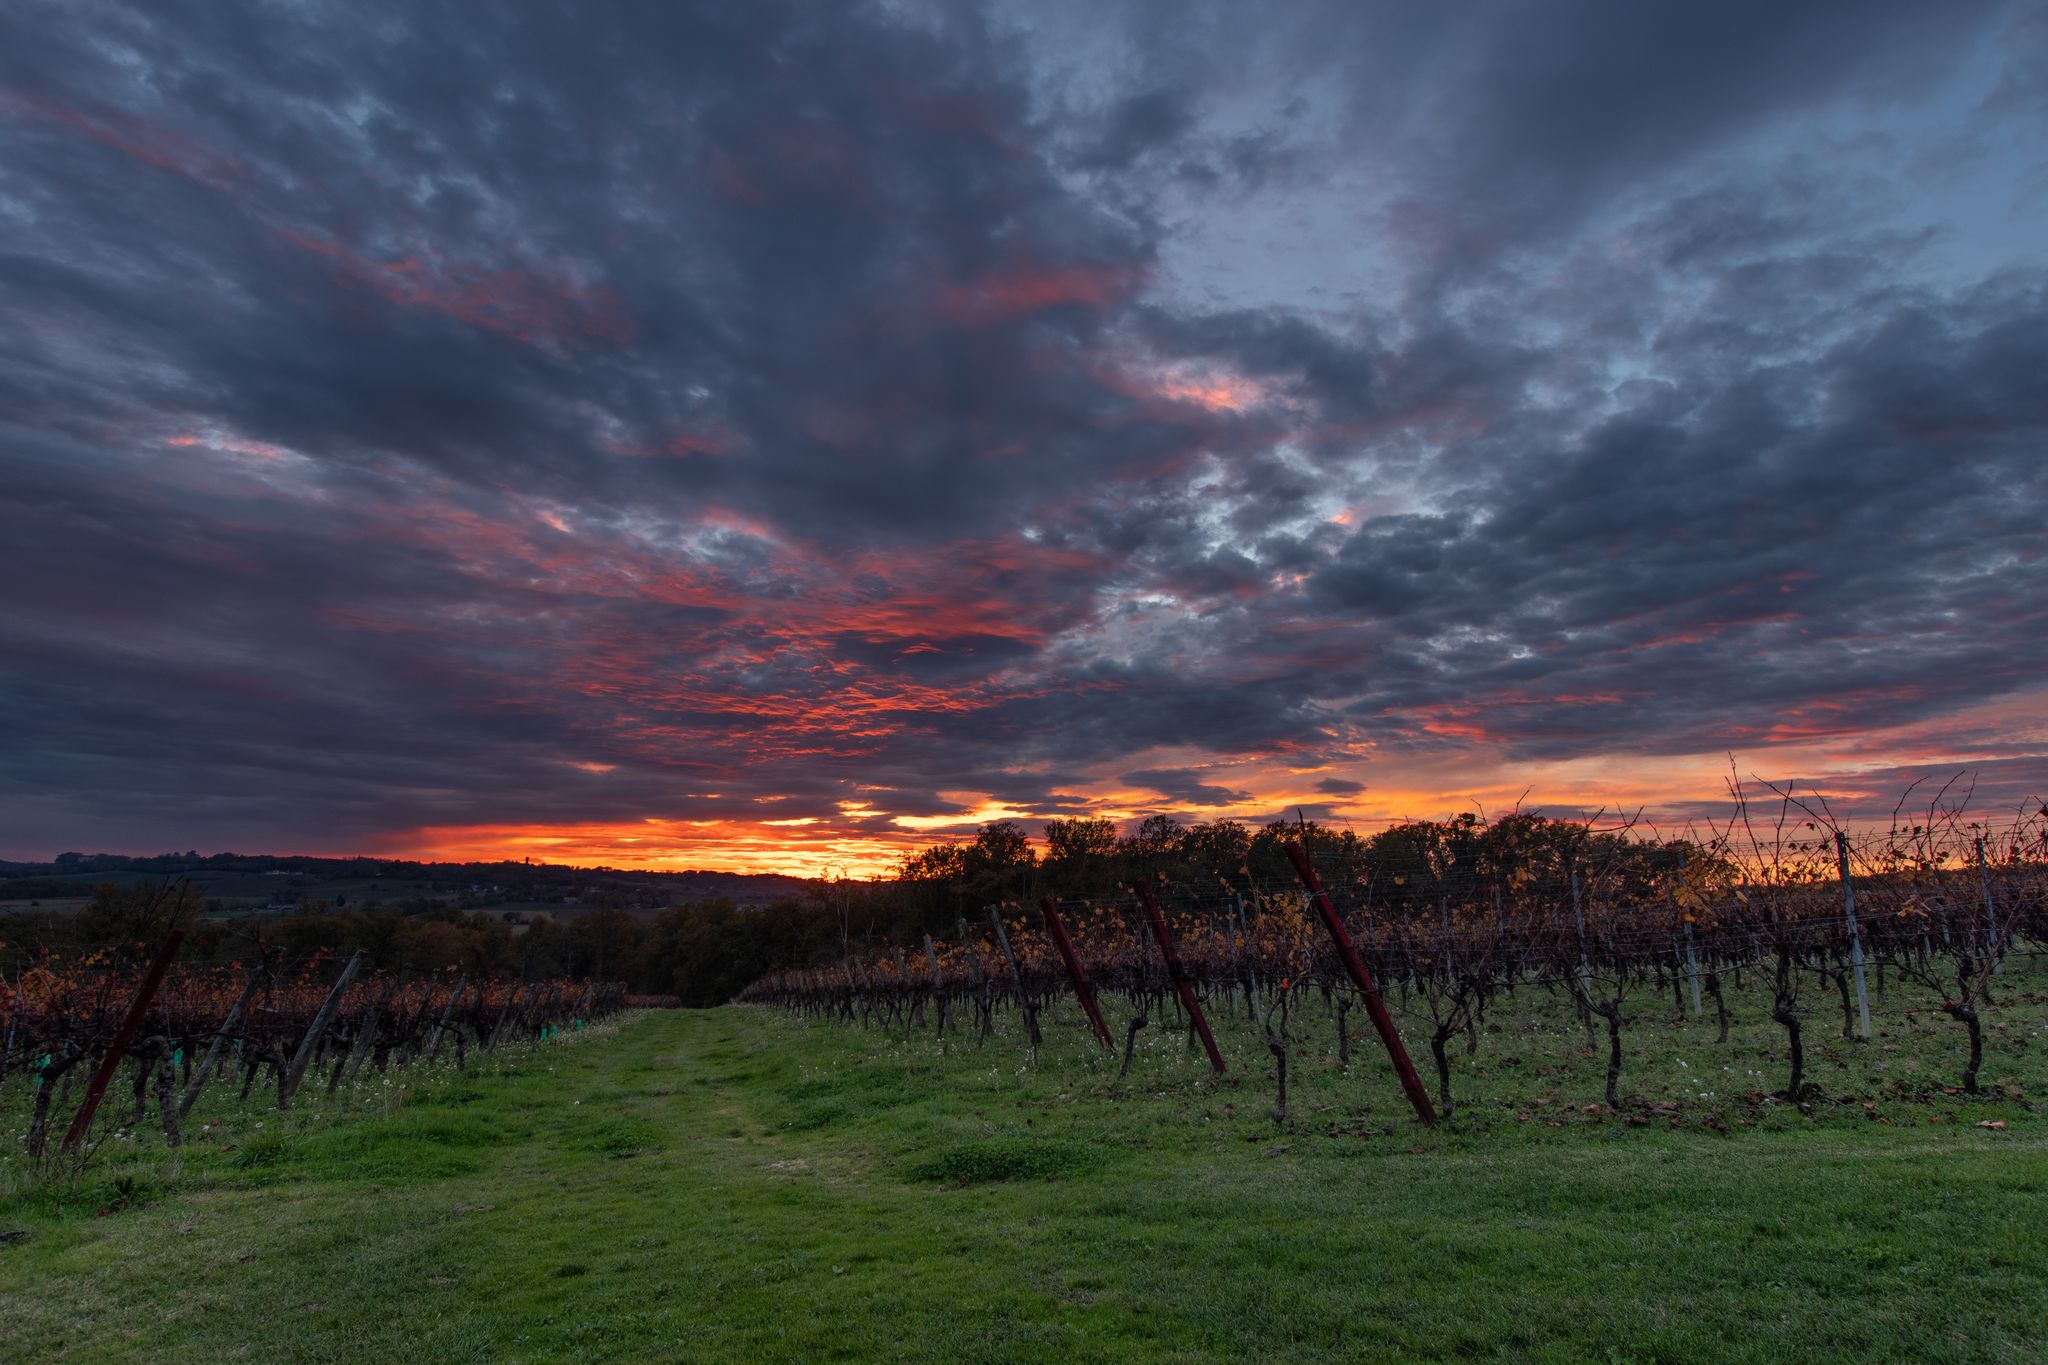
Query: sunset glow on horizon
[[1670, 796]]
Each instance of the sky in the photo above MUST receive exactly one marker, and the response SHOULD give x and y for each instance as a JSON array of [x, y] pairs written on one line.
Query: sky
[[774, 436]]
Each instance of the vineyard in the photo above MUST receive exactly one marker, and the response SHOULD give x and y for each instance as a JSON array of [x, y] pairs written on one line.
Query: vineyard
[[778, 1182], [69, 1028], [1800, 916]]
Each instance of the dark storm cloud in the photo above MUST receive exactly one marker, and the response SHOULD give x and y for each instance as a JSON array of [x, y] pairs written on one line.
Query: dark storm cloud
[[461, 244], [1836, 544], [443, 417], [1500, 125], [1184, 786], [1137, 126], [1567, 104]]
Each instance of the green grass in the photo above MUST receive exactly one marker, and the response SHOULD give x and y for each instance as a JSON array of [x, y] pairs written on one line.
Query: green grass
[[734, 1184]]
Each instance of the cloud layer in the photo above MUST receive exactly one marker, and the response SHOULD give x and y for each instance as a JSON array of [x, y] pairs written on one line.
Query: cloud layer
[[763, 435]]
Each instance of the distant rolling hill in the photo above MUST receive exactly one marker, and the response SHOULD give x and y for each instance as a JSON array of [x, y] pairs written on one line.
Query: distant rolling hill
[[245, 880]]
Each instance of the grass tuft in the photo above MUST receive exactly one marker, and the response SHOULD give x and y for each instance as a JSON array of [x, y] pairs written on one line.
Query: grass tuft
[[976, 1163]]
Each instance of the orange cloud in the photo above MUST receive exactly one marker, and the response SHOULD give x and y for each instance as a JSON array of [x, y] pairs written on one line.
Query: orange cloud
[[1215, 391]]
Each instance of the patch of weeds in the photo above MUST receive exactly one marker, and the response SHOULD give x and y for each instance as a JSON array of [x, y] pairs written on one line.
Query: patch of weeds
[[973, 1163], [464, 1131], [411, 1146], [263, 1151], [816, 1087], [817, 1114], [626, 1137], [123, 1192]]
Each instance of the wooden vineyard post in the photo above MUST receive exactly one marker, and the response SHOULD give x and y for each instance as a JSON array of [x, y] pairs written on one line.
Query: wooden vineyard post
[[903, 988], [1178, 975], [1585, 958], [1994, 959], [1238, 966], [220, 1038], [858, 974], [1084, 990], [975, 984], [1692, 960], [1692, 967], [290, 1081], [1354, 965], [505, 1015], [1030, 1011], [1855, 936], [366, 1036], [138, 1010], [447, 1013], [931, 955]]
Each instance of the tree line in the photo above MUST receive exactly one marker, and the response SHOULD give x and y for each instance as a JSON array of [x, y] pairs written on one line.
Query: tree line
[[705, 952], [702, 953]]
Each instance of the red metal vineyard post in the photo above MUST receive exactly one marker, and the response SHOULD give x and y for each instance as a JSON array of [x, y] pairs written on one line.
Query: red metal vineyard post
[[1179, 976], [1084, 989], [138, 1010], [1361, 978]]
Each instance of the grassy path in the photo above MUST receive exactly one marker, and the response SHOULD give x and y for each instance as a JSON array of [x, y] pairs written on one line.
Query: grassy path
[[729, 1184]]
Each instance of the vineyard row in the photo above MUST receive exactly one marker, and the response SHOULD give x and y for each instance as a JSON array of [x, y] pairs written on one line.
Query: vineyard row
[[179, 1030], [1450, 948]]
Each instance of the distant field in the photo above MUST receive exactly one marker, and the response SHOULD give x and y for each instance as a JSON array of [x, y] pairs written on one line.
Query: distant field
[[353, 882], [736, 1184], [244, 886], [242, 893], [47, 905]]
